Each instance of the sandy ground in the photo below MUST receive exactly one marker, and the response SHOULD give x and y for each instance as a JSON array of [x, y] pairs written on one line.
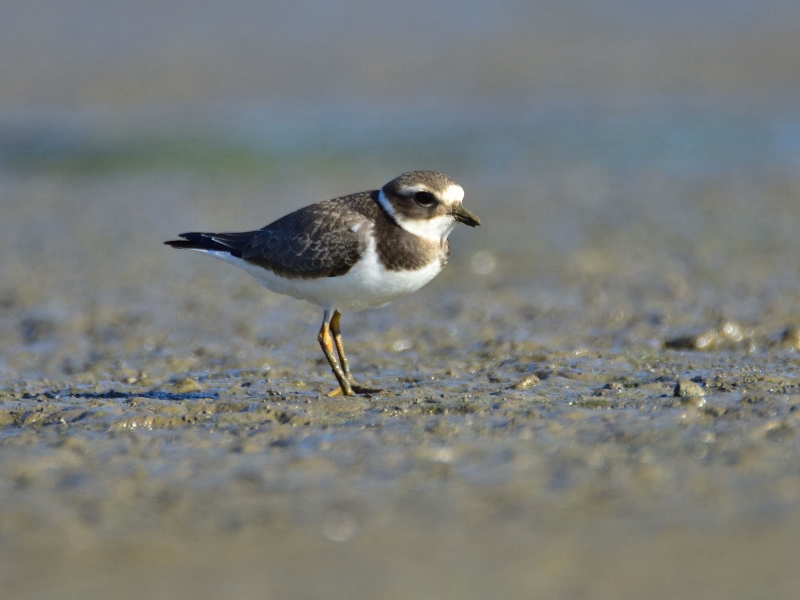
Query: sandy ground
[[613, 418]]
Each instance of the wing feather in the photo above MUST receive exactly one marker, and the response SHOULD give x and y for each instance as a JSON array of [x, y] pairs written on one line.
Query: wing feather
[[321, 240]]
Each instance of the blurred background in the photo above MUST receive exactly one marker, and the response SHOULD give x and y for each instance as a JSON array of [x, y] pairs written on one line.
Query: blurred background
[[584, 133], [636, 166]]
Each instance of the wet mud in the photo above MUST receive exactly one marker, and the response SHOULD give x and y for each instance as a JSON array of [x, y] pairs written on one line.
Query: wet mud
[[612, 413]]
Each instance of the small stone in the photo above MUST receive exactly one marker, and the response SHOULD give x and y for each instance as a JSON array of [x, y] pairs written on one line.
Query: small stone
[[134, 377], [731, 331], [701, 341], [791, 337], [401, 345], [527, 382], [127, 375], [185, 385], [687, 387]]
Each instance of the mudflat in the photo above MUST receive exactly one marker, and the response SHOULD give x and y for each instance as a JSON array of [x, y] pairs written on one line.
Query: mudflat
[[597, 398]]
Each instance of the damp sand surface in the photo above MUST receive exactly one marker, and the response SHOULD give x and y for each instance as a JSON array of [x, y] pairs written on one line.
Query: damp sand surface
[[598, 398]]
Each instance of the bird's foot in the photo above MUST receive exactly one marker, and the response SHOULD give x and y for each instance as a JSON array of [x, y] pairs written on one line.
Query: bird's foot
[[355, 389], [364, 391]]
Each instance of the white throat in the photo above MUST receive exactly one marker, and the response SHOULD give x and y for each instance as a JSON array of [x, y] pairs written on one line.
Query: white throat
[[436, 229]]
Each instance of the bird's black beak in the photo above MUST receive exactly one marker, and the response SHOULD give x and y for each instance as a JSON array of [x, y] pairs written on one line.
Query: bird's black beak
[[462, 215]]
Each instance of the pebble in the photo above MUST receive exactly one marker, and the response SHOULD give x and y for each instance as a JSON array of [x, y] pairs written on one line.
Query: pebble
[[686, 387], [527, 382], [791, 337], [185, 385]]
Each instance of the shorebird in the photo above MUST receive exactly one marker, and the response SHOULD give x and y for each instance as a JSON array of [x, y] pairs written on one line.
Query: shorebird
[[349, 253]]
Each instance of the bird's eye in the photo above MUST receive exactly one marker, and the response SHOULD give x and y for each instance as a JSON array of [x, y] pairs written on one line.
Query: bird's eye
[[424, 198]]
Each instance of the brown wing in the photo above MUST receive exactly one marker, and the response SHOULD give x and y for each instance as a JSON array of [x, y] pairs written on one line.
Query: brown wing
[[315, 241]]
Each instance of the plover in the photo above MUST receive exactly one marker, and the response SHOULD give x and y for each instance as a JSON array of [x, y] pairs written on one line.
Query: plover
[[349, 253]]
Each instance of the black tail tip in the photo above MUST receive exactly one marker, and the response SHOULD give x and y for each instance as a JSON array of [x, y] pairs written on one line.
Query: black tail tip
[[180, 244]]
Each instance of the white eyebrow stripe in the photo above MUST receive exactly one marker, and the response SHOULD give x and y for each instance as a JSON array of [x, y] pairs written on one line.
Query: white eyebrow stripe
[[416, 188]]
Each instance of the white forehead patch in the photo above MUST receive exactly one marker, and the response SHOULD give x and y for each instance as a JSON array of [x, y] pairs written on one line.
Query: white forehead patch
[[453, 194]]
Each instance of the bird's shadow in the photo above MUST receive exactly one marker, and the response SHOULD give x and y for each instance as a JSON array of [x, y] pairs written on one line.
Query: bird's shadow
[[117, 395]]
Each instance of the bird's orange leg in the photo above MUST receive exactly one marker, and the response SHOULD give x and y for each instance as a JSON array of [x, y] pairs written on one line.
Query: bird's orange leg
[[326, 343], [343, 362]]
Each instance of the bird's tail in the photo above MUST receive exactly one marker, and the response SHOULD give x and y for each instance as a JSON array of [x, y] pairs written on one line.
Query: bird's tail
[[233, 243]]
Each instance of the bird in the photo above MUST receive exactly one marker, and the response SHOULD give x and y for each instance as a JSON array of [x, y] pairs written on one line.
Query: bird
[[353, 252]]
